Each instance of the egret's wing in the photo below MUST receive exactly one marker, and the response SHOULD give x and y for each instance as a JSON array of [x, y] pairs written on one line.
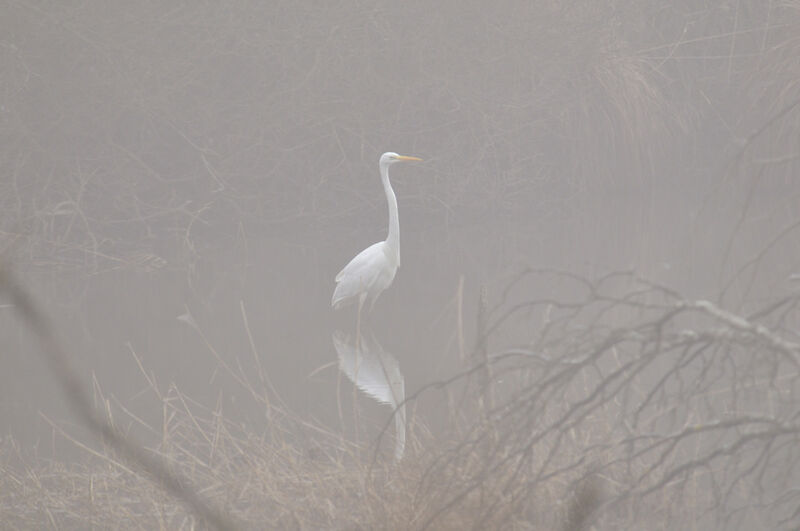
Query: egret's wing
[[360, 274], [362, 261]]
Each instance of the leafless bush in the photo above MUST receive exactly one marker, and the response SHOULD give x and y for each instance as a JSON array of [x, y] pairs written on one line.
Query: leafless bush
[[677, 410]]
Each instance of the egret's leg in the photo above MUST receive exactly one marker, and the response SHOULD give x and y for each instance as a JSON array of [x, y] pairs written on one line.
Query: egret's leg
[[361, 299]]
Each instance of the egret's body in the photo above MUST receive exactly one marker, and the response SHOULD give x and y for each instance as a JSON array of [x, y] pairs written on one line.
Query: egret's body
[[373, 269]]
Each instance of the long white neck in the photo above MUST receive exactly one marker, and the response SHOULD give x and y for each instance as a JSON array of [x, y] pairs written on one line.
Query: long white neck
[[393, 239]]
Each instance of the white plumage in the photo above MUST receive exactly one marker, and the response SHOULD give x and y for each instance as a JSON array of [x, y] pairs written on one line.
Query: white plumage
[[373, 269]]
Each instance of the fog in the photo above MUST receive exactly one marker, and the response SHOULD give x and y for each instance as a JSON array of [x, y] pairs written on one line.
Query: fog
[[180, 184]]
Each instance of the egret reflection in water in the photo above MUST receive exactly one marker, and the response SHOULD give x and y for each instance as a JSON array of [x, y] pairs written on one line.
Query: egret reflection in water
[[377, 373]]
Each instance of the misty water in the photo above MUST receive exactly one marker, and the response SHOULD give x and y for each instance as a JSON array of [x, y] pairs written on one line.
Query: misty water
[[180, 185]]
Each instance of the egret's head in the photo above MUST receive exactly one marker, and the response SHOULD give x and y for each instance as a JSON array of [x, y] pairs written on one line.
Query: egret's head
[[391, 157]]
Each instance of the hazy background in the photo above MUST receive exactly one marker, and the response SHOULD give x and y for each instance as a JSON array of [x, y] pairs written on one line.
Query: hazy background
[[164, 158]]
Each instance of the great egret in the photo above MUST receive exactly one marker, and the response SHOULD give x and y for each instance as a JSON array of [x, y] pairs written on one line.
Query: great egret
[[373, 269]]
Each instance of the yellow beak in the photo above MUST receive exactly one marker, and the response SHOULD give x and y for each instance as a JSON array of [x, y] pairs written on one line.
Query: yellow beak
[[405, 157]]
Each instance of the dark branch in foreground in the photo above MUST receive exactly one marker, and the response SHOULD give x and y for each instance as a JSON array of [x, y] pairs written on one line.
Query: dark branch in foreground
[[81, 404]]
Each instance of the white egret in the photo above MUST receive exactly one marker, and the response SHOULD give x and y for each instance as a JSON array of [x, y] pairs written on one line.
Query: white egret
[[373, 269]]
